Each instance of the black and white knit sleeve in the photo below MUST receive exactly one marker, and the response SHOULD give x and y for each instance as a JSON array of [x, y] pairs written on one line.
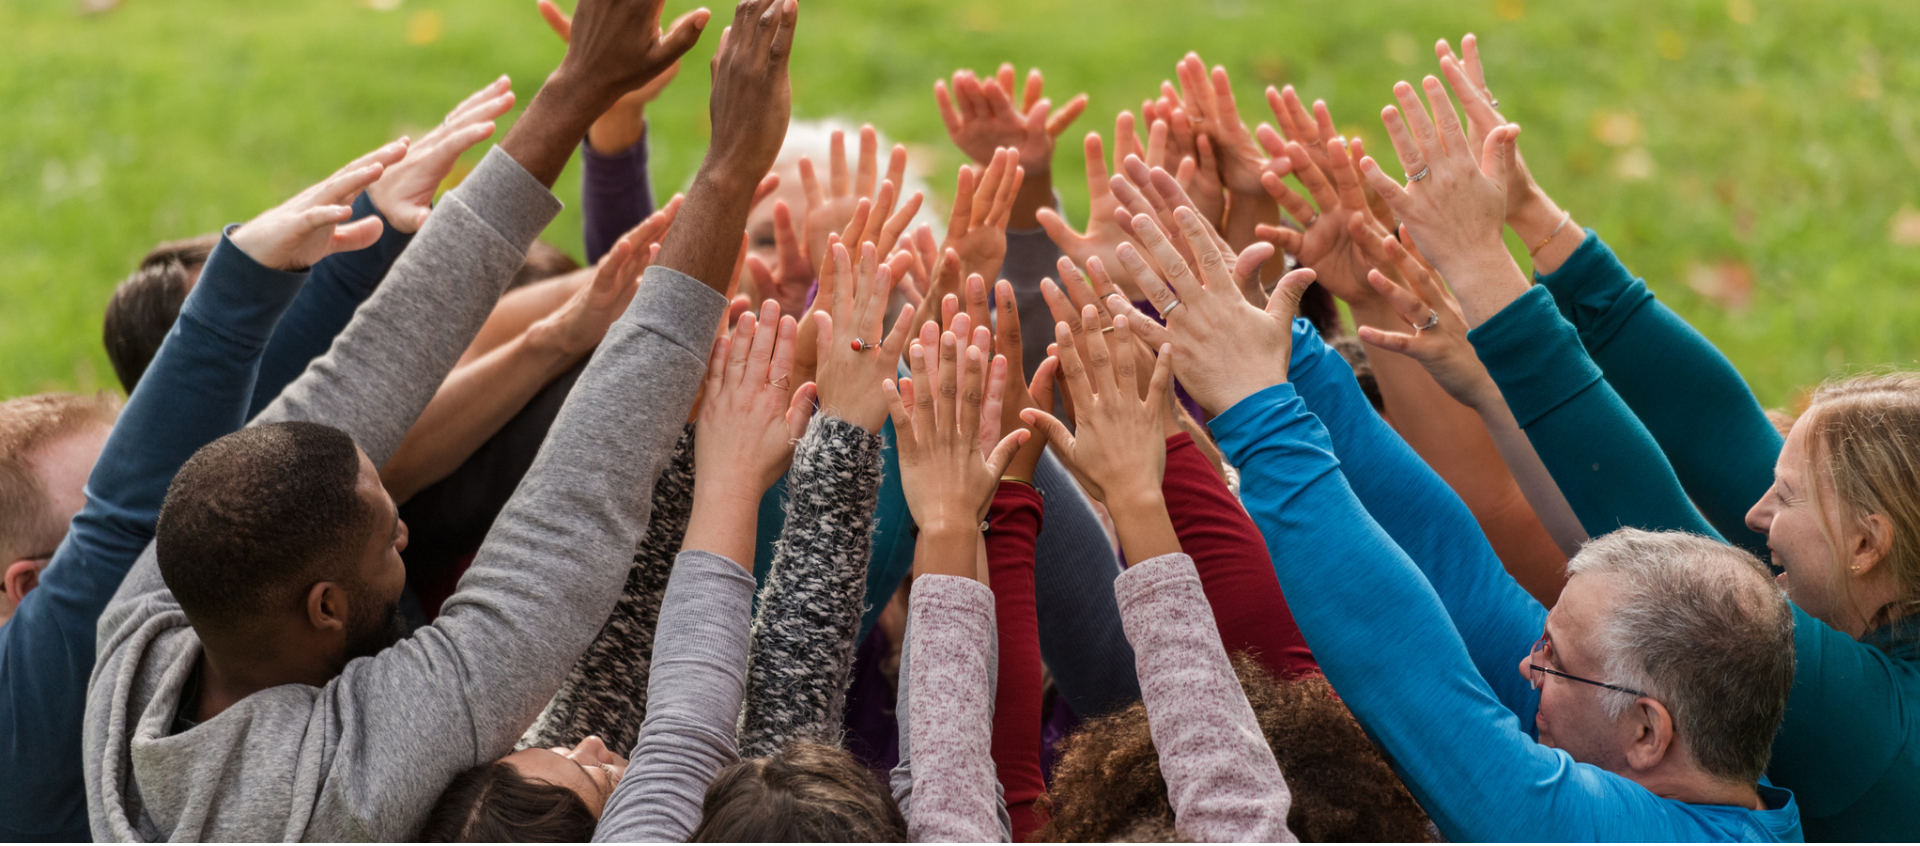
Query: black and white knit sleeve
[[801, 656], [606, 692]]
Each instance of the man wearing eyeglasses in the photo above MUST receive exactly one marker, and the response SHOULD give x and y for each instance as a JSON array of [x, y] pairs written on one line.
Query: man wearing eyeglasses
[[1641, 708]]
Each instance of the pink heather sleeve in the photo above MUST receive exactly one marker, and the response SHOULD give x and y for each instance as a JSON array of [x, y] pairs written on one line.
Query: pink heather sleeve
[[950, 679], [1222, 780]]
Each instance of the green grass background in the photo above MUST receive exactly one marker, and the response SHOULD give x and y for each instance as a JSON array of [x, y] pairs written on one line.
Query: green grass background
[[1769, 141]]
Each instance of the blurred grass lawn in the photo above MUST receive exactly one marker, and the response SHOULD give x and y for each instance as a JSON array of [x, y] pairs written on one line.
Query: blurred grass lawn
[[1725, 148]]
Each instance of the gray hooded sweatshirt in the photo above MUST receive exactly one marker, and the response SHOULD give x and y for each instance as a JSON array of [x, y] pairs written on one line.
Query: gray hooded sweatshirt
[[364, 756]]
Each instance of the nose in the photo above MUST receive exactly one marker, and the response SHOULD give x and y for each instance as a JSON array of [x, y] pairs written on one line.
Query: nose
[[593, 750], [1760, 516], [401, 545]]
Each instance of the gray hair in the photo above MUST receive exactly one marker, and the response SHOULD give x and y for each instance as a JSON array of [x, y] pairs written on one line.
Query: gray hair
[[1700, 626]]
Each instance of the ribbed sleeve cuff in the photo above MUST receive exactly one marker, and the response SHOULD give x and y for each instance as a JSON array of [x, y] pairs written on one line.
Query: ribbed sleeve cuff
[[238, 297], [508, 198], [1141, 581], [677, 307], [1534, 355]]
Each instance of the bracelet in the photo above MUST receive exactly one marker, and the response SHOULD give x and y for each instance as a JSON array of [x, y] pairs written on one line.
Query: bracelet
[[1550, 235], [1017, 479]]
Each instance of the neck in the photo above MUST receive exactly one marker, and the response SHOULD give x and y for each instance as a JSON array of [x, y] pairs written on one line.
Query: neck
[[233, 671], [1697, 788]]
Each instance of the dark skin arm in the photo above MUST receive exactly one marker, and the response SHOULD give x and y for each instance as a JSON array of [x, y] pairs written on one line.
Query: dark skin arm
[[616, 46], [752, 99]]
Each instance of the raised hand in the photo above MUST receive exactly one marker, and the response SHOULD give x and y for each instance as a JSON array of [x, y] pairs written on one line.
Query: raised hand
[[750, 417], [576, 328], [1324, 167], [1439, 337], [1174, 144], [1159, 194], [404, 194], [852, 355], [1454, 202], [940, 417], [1532, 214], [981, 117], [977, 228], [1119, 443], [621, 125], [1228, 349], [1020, 394], [1104, 233], [833, 208], [298, 233], [1210, 108]]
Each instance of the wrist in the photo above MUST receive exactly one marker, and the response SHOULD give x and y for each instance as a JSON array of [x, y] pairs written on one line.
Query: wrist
[[1536, 216], [617, 131]]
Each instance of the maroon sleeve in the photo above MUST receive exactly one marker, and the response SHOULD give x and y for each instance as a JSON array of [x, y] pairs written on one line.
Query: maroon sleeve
[[1012, 524], [1235, 569]]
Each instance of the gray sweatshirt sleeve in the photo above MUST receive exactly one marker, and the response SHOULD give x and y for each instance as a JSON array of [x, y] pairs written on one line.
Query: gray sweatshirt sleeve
[[801, 658], [699, 677], [606, 692], [1222, 780], [950, 713], [384, 367]]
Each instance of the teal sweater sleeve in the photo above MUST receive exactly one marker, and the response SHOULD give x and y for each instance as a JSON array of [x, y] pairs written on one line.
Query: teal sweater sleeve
[[1691, 399], [1850, 744], [1605, 462], [1497, 619], [1464, 755]]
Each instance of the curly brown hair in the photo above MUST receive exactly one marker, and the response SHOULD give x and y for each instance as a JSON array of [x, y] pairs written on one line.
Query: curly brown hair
[[1107, 784]]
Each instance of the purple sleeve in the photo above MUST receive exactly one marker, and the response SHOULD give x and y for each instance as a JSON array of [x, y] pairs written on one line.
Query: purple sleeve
[[615, 195], [1222, 779]]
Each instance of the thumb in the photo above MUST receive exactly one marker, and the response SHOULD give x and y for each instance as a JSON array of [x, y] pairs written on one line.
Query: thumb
[[1050, 426], [1003, 452], [1497, 151], [685, 33], [1284, 305], [1056, 228], [1037, 116], [1147, 328]]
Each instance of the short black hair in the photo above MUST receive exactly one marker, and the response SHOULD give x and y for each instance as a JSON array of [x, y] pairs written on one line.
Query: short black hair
[[254, 518], [145, 305]]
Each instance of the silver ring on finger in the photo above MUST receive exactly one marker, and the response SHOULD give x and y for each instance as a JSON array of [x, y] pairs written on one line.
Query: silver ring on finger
[[1170, 307], [1496, 102], [1309, 222], [1433, 319], [860, 345], [1416, 177]]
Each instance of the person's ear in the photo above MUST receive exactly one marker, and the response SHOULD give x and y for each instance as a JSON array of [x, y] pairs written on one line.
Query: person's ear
[[1870, 546], [22, 576], [1651, 729], [327, 608]]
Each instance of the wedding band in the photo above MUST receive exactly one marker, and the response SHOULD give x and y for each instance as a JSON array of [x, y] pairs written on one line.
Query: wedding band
[[1308, 223], [1416, 177], [1169, 309], [1433, 319], [1105, 329], [779, 383]]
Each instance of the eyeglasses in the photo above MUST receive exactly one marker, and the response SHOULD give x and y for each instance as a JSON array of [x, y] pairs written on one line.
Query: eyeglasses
[[1544, 646]]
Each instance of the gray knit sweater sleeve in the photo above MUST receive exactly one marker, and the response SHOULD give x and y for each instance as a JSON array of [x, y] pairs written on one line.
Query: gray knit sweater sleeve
[[606, 692], [801, 658]]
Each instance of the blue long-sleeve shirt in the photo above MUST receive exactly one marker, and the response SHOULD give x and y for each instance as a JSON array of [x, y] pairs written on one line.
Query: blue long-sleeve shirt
[[334, 291], [1462, 750], [1691, 399], [196, 391], [1849, 747]]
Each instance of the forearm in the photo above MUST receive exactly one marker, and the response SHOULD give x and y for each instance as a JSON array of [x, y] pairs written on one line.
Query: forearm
[[471, 405], [705, 238], [699, 675], [1233, 564], [1036, 193], [801, 660], [1690, 398], [1222, 779], [520, 308], [542, 139], [950, 691], [324, 307], [1014, 522], [1452, 439], [1419, 512], [1601, 457], [1543, 496], [615, 191], [1081, 638], [606, 692]]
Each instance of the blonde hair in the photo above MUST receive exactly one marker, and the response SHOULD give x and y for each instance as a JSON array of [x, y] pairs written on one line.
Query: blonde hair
[[28, 525], [1864, 440]]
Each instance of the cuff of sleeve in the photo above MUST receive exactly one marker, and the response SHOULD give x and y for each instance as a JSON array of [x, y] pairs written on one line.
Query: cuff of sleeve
[[1142, 580], [952, 594], [1534, 355], [392, 241], [1011, 497], [1565, 281], [707, 566], [239, 297], [631, 156], [829, 436], [509, 199], [1241, 423], [677, 307], [1595, 292]]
